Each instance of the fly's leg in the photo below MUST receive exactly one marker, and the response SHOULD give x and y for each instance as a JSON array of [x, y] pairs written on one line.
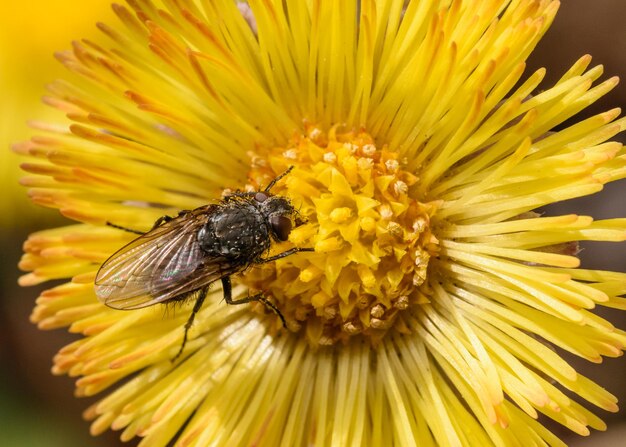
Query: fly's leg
[[232, 195], [196, 309], [165, 219], [259, 296], [284, 254], [159, 221], [273, 182], [253, 193], [130, 230], [228, 297]]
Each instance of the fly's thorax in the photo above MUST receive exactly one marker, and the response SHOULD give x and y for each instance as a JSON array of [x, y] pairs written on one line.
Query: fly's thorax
[[237, 231]]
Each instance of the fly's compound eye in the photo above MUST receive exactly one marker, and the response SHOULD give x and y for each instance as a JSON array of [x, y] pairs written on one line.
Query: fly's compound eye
[[281, 226], [260, 197]]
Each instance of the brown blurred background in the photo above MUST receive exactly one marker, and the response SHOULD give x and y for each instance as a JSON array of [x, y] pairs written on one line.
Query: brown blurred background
[[598, 28], [38, 409]]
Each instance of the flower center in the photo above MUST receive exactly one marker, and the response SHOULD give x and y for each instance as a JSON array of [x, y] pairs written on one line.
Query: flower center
[[371, 237]]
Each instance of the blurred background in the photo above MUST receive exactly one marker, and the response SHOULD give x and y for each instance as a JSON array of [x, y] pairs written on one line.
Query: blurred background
[[38, 409]]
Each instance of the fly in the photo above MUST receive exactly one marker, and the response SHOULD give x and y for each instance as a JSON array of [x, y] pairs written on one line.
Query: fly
[[182, 256]]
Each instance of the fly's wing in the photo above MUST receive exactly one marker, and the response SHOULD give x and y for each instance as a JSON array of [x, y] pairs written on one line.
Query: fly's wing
[[160, 265]]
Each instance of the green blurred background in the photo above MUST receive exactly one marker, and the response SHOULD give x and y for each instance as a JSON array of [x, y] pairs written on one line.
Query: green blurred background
[[38, 409]]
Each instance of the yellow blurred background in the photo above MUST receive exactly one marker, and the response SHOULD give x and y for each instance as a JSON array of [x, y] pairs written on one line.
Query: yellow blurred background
[[30, 33], [36, 408]]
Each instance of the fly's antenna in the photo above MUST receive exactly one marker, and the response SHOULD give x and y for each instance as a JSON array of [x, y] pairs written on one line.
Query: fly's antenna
[[273, 182]]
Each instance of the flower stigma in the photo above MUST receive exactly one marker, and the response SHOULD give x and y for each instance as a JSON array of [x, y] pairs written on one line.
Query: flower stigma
[[371, 235]]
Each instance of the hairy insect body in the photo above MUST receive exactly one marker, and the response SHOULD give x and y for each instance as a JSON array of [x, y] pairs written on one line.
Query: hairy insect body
[[180, 257], [238, 232]]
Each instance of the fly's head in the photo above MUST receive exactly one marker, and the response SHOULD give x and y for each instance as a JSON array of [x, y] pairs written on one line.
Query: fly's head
[[278, 213]]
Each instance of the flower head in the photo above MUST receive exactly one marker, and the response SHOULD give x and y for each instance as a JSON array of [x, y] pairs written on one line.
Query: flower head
[[428, 311]]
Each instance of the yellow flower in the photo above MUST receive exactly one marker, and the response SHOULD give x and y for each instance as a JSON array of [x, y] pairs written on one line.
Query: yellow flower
[[428, 312]]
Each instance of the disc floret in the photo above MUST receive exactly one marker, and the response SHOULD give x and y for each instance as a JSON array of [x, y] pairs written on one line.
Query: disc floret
[[371, 236]]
